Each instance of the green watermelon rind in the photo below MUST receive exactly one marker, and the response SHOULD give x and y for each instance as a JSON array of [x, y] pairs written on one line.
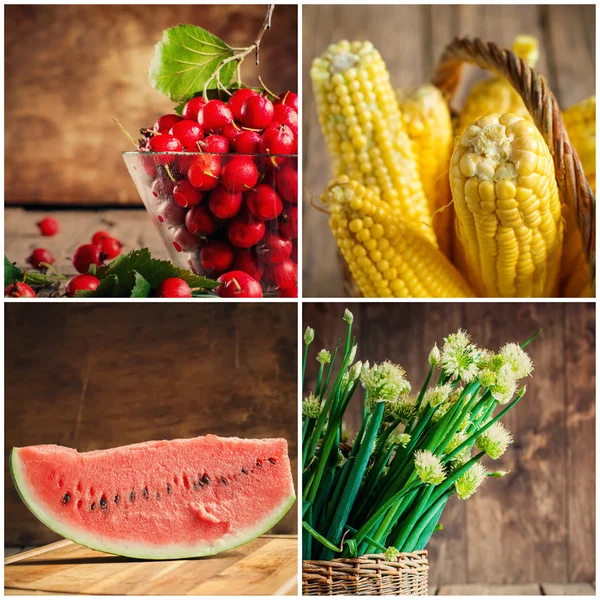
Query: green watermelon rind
[[156, 554]]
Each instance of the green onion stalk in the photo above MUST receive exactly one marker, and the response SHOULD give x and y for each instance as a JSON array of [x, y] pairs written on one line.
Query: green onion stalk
[[411, 454]]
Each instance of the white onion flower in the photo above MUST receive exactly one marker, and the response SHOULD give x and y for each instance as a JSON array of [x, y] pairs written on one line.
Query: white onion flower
[[324, 357], [311, 407], [495, 440], [429, 467], [518, 359], [459, 357], [466, 485], [384, 381]]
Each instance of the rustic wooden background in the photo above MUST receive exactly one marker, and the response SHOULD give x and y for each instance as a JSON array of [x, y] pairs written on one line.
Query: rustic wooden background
[[538, 523], [411, 39], [103, 375], [70, 69]]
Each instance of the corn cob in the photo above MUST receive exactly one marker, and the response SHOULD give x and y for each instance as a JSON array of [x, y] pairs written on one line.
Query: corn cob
[[580, 122], [508, 211], [386, 257], [496, 94], [429, 126], [361, 121]]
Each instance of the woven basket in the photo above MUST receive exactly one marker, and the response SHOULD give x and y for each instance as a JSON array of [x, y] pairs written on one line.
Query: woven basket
[[545, 112], [368, 575]]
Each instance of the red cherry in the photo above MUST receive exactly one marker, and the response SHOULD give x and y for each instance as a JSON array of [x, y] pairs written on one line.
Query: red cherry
[[173, 287], [215, 115], [291, 292], [188, 133], [183, 240], [186, 195], [225, 204], [277, 139], [170, 213], [192, 107], [286, 115], [289, 99], [264, 202], [40, 255], [161, 188], [81, 282], [163, 124], [282, 275], [244, 231], [216, 256], [239, 174], [215, 144], [247, 261], [204, 172], [247, 142], [165, 143], [288, 221], [110, 247], [237, 100], [48, 226], [99, 237], [257, 112], [237, 284], [230, 132], [286, 182], [274, 248], [19, 290], [86, 255], [200, 221]]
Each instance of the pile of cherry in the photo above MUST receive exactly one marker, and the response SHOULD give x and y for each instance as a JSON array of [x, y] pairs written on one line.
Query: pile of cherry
[[225, 193]]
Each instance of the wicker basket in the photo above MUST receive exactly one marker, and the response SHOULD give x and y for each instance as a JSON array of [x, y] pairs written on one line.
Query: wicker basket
[[543, 107], [368, 575]]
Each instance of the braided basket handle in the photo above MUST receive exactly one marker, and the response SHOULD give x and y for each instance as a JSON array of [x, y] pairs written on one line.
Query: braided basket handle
[[543, 107]]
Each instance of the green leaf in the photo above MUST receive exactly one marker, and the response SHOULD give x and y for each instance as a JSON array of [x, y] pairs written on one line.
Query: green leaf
[[141, 289], [12, 273], [154, 271], [107, 289], [185, 59]]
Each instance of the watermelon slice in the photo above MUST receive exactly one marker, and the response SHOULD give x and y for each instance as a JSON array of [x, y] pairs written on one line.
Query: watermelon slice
[[158, 500]]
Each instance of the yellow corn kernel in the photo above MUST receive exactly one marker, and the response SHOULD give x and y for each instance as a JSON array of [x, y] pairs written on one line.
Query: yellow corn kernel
[[368, 143], [429, 126], [394, 260], [508, 213], [580, 122], [496, 94]]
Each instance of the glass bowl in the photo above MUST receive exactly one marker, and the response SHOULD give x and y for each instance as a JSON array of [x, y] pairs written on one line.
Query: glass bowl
[[224, 212]]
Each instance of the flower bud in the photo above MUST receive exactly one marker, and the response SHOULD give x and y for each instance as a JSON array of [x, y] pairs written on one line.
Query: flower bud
[[434, 356], [309, 335]]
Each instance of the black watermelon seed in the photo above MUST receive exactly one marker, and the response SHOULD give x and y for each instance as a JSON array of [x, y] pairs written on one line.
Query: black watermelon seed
[[244, 471], [168, 489], [117, 499], [103, 503], [132, 496], [272, 461], [205, 479], [66, 498], [158, 495], [258, 462], [145, 493], [93, 506], [224, 480]]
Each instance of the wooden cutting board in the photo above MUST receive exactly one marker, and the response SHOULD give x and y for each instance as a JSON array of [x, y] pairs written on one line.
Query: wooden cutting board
[[268, 566]]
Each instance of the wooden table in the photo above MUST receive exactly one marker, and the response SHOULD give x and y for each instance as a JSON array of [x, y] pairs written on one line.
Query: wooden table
[[131, 226], [411, 39], [268, 566], [526, 589]]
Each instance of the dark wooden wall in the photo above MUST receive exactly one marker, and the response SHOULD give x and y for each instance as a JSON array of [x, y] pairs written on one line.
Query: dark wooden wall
[[69, 70], [538, 523], [97, 376], [411, 39]]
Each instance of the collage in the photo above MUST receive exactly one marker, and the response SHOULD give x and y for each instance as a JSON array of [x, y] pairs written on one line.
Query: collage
[[310, 292]]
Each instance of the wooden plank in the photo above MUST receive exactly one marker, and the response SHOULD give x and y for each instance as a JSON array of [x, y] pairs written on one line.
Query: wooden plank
[[568, 589], [265, 566], [580, 361], [95, 388], [72, 152], [573, 44], [482, 589]]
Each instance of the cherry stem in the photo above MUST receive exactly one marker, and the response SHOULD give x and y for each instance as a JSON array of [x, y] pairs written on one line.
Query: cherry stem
[[266, 88], [237, 285], [170, 174], [126, 133], [51, 268]]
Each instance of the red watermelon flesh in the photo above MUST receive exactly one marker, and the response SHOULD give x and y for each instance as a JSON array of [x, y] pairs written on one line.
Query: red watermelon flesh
[[158, 500]]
